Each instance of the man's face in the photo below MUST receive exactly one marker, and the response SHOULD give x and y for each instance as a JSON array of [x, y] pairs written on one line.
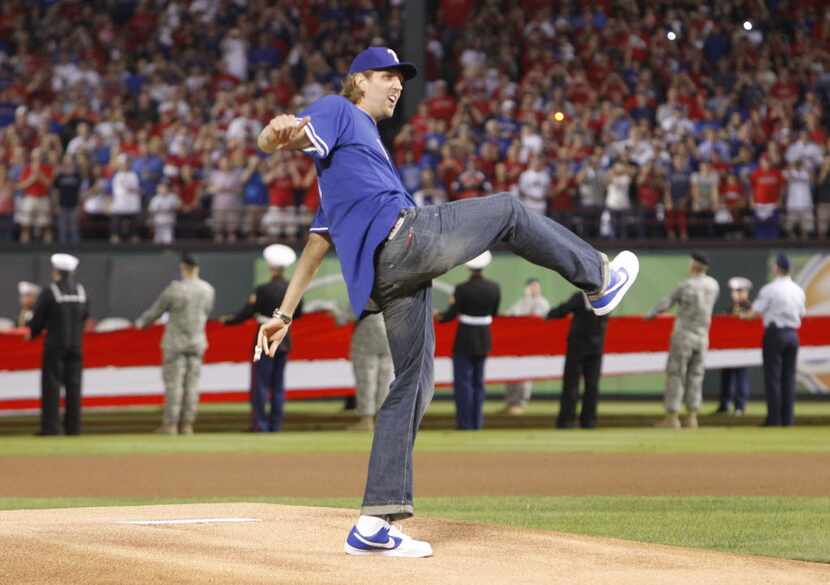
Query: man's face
[[739, 295], [27, 301], [534, 289], [381, 92]]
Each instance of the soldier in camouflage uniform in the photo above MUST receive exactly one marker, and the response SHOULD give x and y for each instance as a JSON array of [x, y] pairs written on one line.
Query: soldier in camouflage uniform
[[695, 298], [188, 302], [373, 369], [517, 394]]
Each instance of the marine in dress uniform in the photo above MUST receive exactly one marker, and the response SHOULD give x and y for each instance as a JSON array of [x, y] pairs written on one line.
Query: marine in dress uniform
[[476, 302], [268, 373], [517, 394], [781, 304], [61, 309], [28, 293], [586, 340], [695, 299], [734, 382], [188, 302]]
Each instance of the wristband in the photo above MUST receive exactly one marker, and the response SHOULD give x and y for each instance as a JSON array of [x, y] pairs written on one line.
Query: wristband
[[277, 314]]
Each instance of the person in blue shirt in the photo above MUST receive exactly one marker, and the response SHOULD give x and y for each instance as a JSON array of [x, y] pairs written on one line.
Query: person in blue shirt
[[389, 251]]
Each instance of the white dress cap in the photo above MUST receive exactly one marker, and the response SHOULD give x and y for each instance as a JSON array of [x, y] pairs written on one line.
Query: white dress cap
[[740, 283], [27, 288], [480, 262], [279, 256], [64, 262]]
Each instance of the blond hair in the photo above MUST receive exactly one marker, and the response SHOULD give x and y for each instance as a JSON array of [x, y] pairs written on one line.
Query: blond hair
[[350, 89]]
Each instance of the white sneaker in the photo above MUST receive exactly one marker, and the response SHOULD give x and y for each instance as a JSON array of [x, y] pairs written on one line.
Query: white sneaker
[[389, 541], [622, 272]]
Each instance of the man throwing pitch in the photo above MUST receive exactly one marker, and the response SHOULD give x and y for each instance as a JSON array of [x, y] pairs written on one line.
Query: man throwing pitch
[[390, 251]]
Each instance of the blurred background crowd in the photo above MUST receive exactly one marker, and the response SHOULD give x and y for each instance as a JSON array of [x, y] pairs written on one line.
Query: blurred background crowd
[[132, 120]]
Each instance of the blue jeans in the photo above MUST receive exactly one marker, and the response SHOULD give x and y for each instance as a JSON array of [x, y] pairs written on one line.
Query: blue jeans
[[68, 226], [268, 385], [780, 351], [431, 241], [734, 388], [468, 391], [768, 229]]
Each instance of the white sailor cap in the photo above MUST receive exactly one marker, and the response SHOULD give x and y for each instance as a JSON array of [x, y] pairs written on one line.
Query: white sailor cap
[[740, 283], [480, 262], [27, 288], [64, 262], [279, 256]]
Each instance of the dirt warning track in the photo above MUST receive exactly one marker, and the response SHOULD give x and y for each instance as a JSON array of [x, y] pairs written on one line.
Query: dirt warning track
[[436, 474]]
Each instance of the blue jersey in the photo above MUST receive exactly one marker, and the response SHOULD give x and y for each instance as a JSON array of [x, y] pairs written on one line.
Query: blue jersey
[[361, 194]]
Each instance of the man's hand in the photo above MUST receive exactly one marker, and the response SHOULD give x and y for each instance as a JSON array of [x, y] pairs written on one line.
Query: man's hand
[[281, 132], [271, 334], [27, 333]]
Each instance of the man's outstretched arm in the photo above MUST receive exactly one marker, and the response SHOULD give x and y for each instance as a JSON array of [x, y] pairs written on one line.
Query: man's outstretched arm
[[284, 132], [272, 332]]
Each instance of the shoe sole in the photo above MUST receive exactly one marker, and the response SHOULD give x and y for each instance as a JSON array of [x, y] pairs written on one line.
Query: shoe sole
[[396, 552], [632, 276]]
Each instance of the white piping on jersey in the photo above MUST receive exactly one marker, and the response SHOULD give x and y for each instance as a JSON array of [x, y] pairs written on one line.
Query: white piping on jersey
[[474, 320], [320, 193], [319, 144], [64, 298], [383, 150]]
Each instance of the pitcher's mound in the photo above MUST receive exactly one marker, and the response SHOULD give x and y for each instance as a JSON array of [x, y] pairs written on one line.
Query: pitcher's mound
[[234, 544]]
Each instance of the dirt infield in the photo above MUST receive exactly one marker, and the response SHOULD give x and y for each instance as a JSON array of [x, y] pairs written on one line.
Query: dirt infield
[[443, 474], [294, 545]]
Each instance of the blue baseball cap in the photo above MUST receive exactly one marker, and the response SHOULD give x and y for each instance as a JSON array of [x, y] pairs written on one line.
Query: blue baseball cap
[[381, 59]]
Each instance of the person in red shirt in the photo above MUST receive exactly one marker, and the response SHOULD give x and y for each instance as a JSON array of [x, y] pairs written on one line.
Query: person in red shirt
[[767, 186], [283, 178], [34, 208], [450, 166], [471, 183], [441, 105], [562, 192], [650, 190], [784, 89], [733, 199], [191, 215]]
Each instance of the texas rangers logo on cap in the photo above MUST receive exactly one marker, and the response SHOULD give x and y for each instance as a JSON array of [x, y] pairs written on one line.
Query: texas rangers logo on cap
[[381, 59]]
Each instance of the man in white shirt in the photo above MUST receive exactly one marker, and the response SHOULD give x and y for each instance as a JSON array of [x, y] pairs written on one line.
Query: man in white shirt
[[163, 207], [806, 151], [534, 185], [781, 304], [126, 201], [617, 201], [244, 126], [799, 200], [83, 142]]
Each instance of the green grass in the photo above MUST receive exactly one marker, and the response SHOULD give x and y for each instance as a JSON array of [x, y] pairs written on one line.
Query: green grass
[[543, 404], [645, 440], [787, 527]]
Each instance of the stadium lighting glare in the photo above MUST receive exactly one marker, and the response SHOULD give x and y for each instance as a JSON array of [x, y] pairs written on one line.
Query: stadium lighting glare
[[747, 25], [671, 35]]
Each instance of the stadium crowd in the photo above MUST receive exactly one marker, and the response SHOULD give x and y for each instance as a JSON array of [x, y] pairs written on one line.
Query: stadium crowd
[[131, 119]]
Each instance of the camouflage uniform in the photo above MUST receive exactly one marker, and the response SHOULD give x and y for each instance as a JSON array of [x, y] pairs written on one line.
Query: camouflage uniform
[[372, 363], [518, 393], [188, 302], [695, 299]]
